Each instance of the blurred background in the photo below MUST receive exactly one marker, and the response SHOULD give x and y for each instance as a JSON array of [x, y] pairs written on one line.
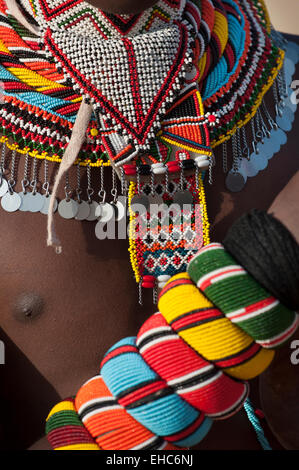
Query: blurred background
[[284, 15]]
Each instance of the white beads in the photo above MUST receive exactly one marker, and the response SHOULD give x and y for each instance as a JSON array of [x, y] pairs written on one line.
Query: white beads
[[104, 62], [162, 280], [202, 162], [159, 169]]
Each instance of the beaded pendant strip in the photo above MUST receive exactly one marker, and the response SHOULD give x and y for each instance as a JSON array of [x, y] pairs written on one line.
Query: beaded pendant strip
[[184, 77]]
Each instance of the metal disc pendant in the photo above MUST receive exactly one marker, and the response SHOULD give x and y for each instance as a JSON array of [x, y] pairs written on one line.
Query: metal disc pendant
[[261, 160], [292, 52], [156, 199], [140, 203], [289, 114], [252, 166], [155, 203], [35, 202], [92, 211], [289, 67], [3, 187], [265, 149], [280, 136], [83, 210], [270, 147], [183, 198], [45, 209], [288, 71], [235, 181], [11, 202], [259, 163], [68, 209], [107, 213], [284, 121], [277, 138], [24, 207]]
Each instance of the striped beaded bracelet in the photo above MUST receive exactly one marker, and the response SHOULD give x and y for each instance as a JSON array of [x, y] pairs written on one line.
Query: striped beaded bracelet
[[187, 366]]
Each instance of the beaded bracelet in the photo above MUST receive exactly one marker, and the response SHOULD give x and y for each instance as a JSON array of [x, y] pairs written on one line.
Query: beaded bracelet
[[188, 364]]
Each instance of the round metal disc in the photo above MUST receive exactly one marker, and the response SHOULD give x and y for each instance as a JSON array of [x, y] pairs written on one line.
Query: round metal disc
[[3, 187], [280, 136], [289, 114], [270, 147], [292, 52], [83, 211], [251, 167], [68, 209], [107, 213], [274, 141], [235, 181], [140, 203], [284, 122], [155, 201], [258, 162], [92, 211], [11, 202], [183, 198], [45, 209], [24, 207], [291, 55], [265, 149], [289, 67], [35, 202]]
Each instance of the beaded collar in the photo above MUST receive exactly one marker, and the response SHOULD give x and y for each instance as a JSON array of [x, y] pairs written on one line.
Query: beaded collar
[[221, 59], [130, 68]]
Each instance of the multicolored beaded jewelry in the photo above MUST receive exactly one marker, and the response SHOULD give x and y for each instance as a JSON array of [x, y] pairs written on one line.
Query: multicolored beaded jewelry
[[184, 77], [188, 365], [163, 89]]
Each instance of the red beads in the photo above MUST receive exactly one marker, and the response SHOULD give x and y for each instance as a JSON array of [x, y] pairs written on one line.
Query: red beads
[[173, 166], [130, 169], [148, 282]]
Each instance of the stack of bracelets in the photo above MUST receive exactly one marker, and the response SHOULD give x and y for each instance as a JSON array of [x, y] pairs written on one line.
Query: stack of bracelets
[[216, 328]]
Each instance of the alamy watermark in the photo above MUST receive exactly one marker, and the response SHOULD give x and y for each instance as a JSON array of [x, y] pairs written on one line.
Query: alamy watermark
[[295, 354], [159, 221]]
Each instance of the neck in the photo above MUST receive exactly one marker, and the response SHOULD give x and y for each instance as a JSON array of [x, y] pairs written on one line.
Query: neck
[[113, 18], [123, 7]]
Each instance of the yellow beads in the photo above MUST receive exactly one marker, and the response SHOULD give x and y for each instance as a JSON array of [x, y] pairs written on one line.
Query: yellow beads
[[259, 100], [204, 212], [94, 132], [45, 156], [209, 332], [132, 244]]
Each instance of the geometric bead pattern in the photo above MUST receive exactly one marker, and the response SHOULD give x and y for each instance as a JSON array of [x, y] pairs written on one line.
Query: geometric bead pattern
[[243, 300]]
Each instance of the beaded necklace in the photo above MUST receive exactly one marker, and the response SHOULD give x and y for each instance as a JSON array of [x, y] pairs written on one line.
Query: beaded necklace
[[173, 83], [184, 77]]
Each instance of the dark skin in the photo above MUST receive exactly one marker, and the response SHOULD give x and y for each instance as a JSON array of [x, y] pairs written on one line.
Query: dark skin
[[123, 6], [85, 299]]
